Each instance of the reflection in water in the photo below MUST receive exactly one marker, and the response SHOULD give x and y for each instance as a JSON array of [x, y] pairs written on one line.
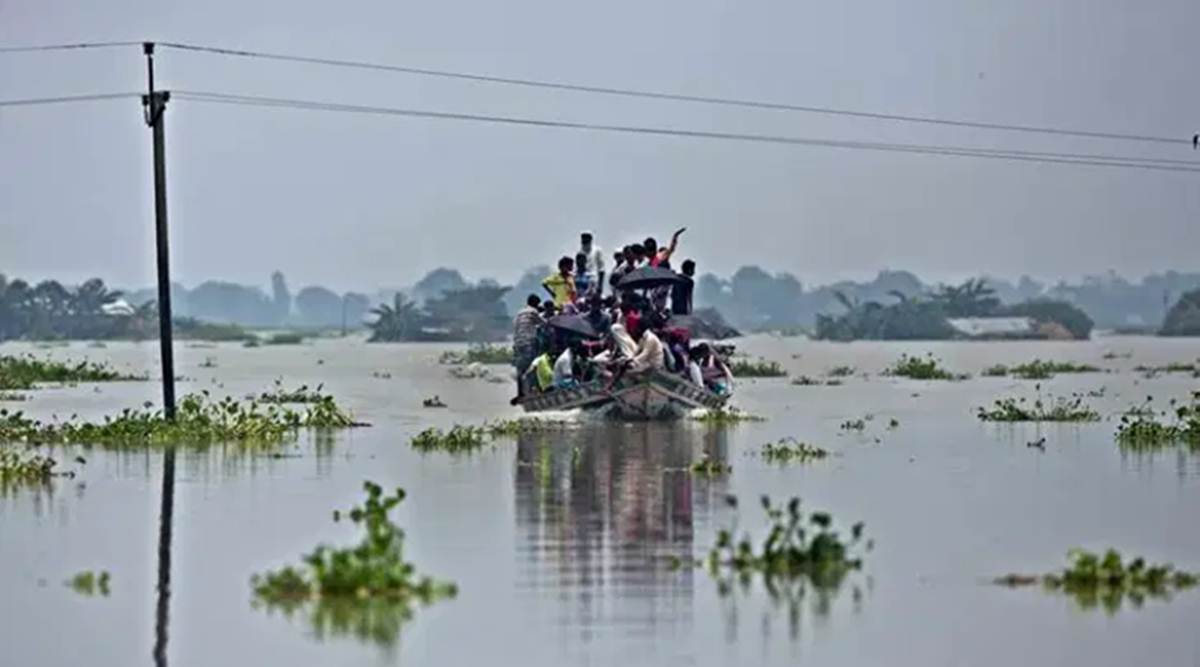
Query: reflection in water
[[374, 620], [601, 510], [166, 521]]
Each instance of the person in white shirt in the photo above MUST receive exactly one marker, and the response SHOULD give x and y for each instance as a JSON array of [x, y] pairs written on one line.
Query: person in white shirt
[[564, 370], [649, 355], [595, 261]]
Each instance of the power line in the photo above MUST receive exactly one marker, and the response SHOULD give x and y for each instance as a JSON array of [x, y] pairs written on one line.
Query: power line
[[66, 99], [65, 47], [703, 99], [1028, 156]]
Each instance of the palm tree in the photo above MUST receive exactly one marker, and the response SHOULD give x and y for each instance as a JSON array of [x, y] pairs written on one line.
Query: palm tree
[[396, 322]]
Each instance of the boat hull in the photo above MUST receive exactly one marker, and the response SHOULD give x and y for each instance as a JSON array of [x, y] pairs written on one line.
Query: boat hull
[[648, 397]]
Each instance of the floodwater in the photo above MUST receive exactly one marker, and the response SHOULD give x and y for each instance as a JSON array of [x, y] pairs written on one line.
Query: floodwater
[[560, 542]]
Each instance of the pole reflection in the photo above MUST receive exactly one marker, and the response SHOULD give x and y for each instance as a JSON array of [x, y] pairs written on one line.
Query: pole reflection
[[166, 519]]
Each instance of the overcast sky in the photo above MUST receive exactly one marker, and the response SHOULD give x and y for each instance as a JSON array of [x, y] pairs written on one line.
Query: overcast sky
[[362, 202]]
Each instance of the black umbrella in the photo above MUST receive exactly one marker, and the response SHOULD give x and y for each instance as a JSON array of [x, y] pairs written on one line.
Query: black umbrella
[[648, 277], [575, 324]]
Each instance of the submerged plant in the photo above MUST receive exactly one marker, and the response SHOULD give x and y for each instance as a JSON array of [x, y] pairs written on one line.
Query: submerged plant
[[1108, 580], [482, 353], [1056, 409], [301, 394], [790, 450], [457, 439], [23, 372], [710, 467], [726, 416], [372, 571], [795, 547], [921, 368], [90, 583], [1142, 427], [760, 368], [198, 420], [32, 469], [1041, 370]]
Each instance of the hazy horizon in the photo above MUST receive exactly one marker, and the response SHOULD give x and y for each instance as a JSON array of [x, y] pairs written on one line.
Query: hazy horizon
[[352, 201]]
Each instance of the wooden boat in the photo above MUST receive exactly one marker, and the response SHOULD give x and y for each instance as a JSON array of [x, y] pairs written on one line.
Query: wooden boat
[[643, 397]]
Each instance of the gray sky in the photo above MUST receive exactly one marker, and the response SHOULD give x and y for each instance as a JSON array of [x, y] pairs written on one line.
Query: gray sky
[[363, 202]]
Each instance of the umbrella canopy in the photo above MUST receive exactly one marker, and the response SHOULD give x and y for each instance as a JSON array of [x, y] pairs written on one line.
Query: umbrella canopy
[[648, 277], [575, 324]]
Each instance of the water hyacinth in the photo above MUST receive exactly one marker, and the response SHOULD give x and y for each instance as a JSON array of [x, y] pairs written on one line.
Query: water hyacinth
[[1143, 427], [1057, 409], [710, 467], [1039, 370], [760, 368], [301, 394], [921, 368], [198, 420], [456, 440], [726, 416], [790, 450], [23, 372], [373, 569], [90, 583], [18, 468], [1107, 580], [491, 355]]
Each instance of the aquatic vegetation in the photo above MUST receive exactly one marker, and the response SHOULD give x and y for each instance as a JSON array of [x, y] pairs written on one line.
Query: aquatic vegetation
[[1057, 409], [1041, 370], [435, 402], [808, 381], [760, 368], [998, 370], [458, 439], [483, 353], [374, 569], [853, 425], [726, 416], [790, 450], [23, 372], [841, 371], [796, 546], [32, 469], [1172, 367], [709, 467], [1108, 580], [198, 420], [13, 396], [285, 338], [209, 362], [90, 583], [1142, 427], [921, 368], [523, 425], [301, 394], [251, 342]]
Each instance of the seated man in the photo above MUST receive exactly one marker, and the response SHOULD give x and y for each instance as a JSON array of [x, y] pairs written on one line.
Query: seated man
[[541, 372], [564, 370], [650, 351]]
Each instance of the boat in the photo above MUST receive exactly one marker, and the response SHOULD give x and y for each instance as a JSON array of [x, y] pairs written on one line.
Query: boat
[[650, 396]]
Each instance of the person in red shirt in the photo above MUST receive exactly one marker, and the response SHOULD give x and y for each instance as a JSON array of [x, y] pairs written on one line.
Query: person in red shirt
[[662, 256]]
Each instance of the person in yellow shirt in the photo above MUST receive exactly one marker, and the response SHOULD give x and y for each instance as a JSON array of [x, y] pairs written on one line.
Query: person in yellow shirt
[[561, 285]]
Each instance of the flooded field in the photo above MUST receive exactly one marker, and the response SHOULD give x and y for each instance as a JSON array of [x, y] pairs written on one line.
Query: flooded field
[[561, 542]]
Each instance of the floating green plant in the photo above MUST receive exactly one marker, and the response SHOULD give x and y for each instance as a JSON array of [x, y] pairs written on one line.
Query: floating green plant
[[808, 381], [301, 394], [725, 416], [16, 467], [1107, 580], [433, 402], [1143, 427], [523, 425], [841, 371], [710, 467], [921, 368], [483, 353], [90, 583], [198, 420], [998, 370], [372, 572], [796, 546], [285, 338], [456, 440], [853, 425], [759, 368], [789, 450], [23, 372], [12, 397], [1055, 409], [1041, 370]]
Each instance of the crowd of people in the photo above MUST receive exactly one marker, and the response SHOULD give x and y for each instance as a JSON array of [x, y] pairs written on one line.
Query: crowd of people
[[580, 334]]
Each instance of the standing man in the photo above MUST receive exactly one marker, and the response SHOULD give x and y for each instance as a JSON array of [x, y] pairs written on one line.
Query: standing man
[[561, 285], [681, 292], [525, 338], [595, 261]]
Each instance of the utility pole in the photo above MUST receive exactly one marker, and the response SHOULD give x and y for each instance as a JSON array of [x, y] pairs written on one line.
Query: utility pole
[[154, 104]]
